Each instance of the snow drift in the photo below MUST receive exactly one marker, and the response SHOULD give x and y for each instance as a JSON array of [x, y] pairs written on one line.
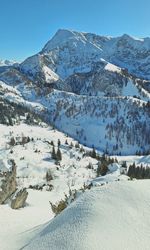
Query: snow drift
[[111, 217]]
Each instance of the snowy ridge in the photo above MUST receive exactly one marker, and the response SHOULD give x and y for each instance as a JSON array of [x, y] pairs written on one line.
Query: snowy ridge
[[12, 95], [68, 51], [103, 218], [7, 62]]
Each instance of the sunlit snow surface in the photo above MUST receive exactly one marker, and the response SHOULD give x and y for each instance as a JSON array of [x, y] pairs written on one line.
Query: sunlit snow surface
[[105, 215], [115, 216]]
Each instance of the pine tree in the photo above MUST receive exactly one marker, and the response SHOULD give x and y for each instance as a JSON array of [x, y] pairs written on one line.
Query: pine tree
[[102, 168], [71, 145], [49, 176], [124, 164], [58, 155], [93, 153], [58, 143], [66, 142], [53, 154], [81, 150], [77, 145], [12, 141]]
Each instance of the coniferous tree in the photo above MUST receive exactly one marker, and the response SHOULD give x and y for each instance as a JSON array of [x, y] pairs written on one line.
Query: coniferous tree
[[102, 168], [54, 157], [124, 164], [93, 153], [77, 145], [49, 176], [59, 155], [12, 141], [138, 172], [66, 142], [58, 143]]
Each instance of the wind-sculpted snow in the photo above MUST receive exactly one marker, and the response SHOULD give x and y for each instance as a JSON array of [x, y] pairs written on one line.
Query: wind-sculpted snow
[[115, 216]]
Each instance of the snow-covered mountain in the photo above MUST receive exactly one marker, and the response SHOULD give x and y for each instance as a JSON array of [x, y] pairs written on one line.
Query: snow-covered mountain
[[70, 52], [62, 112], [7, 62], [116, 125], [84, 81]]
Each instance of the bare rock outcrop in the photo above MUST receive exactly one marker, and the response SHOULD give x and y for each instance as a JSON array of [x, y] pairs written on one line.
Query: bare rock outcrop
[[8, 183], [19, 199]]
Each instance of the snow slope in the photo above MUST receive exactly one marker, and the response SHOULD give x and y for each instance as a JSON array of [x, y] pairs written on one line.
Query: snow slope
[[33, 159], [18, 226], [115, 216]]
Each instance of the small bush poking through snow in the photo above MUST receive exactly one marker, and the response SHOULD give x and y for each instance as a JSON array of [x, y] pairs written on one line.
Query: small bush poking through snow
[[49, 176], [60, 206]]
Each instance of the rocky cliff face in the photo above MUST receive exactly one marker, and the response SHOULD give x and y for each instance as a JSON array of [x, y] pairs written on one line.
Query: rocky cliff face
[[8, 183], [8, 187], [19, 199]]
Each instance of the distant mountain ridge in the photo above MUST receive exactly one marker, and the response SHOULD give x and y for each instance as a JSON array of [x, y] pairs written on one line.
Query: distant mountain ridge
[[7, 62]]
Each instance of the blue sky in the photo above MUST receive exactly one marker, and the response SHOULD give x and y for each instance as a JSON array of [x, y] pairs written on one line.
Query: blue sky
[[26, 25]]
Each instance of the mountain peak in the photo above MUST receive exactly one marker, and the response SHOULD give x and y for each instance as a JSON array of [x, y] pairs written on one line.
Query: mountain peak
[[61, 36], [133, 38]]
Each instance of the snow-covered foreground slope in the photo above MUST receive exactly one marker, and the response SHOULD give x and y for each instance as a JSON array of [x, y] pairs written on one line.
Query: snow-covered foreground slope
[[18, 226], [115, 216], [33, 160]]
